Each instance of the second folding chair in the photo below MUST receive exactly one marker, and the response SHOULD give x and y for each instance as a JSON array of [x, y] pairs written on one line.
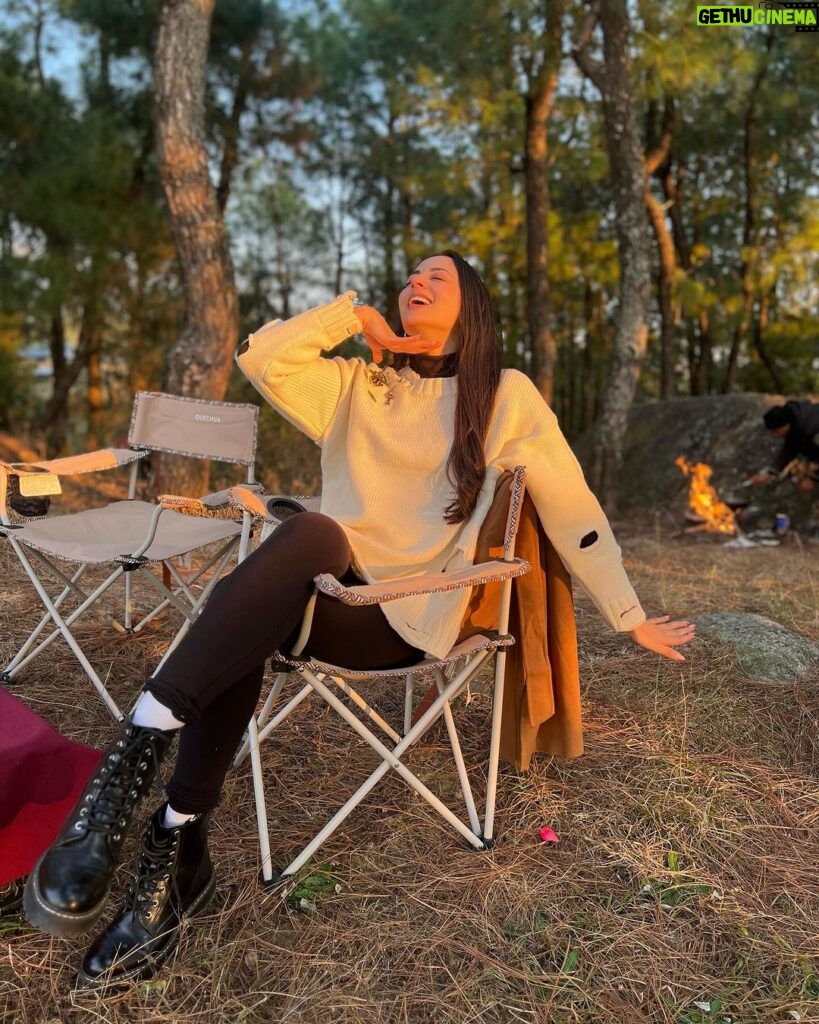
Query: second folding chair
[[129, 536], [451, 674]]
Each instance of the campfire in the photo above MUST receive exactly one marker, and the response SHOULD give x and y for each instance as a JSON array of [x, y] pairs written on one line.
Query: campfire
[[705, 507]]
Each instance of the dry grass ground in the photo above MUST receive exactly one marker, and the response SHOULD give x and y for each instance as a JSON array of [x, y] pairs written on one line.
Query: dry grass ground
[[684, 888]]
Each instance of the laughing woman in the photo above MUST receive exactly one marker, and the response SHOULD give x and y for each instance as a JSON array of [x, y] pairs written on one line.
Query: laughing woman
[[410, 457]]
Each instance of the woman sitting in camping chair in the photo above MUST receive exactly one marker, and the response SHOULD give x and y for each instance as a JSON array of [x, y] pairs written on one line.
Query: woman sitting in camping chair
[[410, 457]]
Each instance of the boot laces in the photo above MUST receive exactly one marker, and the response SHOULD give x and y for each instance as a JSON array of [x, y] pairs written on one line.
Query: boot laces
[[154, 872], [126, 770]]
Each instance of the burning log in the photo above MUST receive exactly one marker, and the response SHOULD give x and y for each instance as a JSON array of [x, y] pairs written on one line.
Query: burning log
[[711, 513]]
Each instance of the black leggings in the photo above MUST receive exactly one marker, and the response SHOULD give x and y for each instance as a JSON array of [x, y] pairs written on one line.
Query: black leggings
[[213, 679]]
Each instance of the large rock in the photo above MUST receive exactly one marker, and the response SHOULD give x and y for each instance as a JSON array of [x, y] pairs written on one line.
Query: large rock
[[725, 431], [765, 650]]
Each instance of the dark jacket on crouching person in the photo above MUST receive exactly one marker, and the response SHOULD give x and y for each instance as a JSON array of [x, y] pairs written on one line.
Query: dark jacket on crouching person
[[802, 440]]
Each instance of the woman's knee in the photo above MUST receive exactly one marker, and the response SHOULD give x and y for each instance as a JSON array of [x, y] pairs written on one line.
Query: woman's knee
[[311, 537]]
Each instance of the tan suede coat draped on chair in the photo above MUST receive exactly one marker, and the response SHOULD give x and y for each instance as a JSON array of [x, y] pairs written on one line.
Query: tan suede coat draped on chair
[[541, 704]]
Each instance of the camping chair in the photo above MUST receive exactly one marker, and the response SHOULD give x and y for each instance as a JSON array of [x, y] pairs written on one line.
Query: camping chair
[[451, 675], [130, 536]]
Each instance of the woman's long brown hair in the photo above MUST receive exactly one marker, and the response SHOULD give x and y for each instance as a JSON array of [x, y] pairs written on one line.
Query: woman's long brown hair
[[479, 366]]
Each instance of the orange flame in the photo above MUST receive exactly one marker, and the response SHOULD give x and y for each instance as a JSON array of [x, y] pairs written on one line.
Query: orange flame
[[703, 500]]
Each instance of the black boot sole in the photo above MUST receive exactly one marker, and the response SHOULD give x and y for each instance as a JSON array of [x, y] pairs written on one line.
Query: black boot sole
[[144, 971], [61, 923]]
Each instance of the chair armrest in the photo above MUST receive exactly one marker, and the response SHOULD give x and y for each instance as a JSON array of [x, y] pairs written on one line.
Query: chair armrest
[[214, 506], [426, 583], [73, 465], [42, 479], [257, 503]]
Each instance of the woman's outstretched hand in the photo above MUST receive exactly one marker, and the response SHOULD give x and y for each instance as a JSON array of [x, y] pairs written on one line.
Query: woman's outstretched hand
[[379, 335], [662, 636]]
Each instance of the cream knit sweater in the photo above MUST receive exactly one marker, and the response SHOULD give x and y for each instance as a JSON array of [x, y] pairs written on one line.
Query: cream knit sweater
[[385, 437]]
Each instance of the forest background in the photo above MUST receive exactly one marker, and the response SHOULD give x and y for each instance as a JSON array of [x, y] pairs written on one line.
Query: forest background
[[641, 195], [638, 190]]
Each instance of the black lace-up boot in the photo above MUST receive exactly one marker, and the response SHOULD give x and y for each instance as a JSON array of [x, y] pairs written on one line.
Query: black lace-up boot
[[174, 880], [66, 891]]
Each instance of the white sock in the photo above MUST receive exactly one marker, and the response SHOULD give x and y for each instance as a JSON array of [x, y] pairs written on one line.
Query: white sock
[[149, 713], [173, 819]]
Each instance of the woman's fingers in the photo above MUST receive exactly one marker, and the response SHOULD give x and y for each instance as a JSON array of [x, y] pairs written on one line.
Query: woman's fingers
[[379, 335], [411, 344], [395, 344], [375, 348], [661, 635], [676, 630]]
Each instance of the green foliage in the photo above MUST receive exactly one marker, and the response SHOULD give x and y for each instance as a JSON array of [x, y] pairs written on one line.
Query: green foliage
[[312, 884], [349, 139], [86, 243]]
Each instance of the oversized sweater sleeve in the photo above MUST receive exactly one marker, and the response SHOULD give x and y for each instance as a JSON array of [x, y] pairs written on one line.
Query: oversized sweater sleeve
[[571, 515], [283, 361]]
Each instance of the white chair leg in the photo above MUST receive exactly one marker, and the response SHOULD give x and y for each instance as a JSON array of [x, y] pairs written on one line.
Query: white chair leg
[[244, 538], [68, 621], [261, 806], [368, 710], [184, 587], [274, 723], [18, 657], [272, 697], [494, 747], [129, 600], [408, 694], [66, 632], [458, 757], [390, 759]]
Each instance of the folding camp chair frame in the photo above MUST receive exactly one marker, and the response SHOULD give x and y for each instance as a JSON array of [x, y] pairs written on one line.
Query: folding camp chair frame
[[451, 674], [152, 429]]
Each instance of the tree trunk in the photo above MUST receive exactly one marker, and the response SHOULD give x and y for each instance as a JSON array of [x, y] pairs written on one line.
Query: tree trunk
[[230, 153], [699, 355], [657, 162], [200, 363], [39, 26], [390, 283], [741, 329], [538, 106], [760, 327], [665, 291], [588, 387], [625, 152], [54, 415], [54, 421], [701, 382], [95, 402], [750, 248]]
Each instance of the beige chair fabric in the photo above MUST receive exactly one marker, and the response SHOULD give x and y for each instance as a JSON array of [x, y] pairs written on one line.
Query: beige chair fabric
[[194, 426], [131, 536], [98, 536]]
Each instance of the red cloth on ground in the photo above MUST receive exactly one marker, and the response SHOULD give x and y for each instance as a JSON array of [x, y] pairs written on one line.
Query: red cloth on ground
[[42, 775]]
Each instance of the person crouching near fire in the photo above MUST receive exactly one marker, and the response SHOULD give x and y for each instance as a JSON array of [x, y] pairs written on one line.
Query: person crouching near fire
[[797, 423]]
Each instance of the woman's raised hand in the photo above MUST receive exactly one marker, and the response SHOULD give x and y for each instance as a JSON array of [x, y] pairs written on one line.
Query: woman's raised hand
[[379, 335], [662, 636]]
